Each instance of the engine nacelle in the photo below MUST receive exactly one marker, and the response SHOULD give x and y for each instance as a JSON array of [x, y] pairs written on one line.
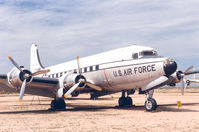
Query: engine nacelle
[[176, 77], [71, 79], [16, 77]]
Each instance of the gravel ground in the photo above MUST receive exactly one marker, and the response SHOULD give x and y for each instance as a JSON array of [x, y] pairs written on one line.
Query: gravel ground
[[102, 115]]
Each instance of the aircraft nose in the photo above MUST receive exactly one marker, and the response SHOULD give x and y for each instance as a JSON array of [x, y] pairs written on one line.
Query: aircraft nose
[[170, 66]]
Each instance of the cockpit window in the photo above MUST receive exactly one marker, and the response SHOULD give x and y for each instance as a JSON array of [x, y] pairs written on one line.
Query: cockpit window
[[135, 56], [148, 53]]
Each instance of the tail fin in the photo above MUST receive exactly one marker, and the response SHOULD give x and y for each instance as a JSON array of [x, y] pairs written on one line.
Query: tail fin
[[35, 64]]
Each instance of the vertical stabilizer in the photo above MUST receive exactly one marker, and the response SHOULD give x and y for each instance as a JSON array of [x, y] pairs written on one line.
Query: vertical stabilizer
[[35, 64]]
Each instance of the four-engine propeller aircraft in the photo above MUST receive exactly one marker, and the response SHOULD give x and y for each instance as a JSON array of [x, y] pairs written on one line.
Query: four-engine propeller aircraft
[[120, 70]]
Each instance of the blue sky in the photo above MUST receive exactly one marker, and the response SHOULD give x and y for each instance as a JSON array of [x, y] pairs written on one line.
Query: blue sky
[[64, 29]]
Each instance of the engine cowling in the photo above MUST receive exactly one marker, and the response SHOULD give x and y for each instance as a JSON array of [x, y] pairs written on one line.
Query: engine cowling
[[71, 79], [175, 78], [16, 77]]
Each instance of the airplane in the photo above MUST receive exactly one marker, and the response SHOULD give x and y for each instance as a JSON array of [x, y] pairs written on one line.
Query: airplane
[[119, 70]]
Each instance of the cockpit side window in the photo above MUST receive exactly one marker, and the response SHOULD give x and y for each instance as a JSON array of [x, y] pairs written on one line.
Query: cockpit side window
[[135, 56]]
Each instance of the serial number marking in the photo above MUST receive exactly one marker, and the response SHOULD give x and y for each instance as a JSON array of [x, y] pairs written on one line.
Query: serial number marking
[[135, 70]]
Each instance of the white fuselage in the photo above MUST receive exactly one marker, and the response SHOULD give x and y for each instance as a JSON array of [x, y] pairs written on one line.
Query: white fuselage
[[121, 69]]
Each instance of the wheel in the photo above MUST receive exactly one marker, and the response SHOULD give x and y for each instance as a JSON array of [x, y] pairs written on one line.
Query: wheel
[[121, 102], [93, 97], [150, 104], [58, 105], [61, 104], [128, 101], [53, 104]]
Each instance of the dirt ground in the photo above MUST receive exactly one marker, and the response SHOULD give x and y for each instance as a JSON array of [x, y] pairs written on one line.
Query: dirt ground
[[102, 115]]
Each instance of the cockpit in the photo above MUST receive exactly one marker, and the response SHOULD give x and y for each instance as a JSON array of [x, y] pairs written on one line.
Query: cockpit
[[145, 53]]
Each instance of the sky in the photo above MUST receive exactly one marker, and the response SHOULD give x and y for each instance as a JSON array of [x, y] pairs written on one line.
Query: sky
[[64, 29]]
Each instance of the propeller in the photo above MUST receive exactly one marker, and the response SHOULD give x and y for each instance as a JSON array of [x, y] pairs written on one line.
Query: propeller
[[25, 76], [80, 81], [71, 90], [180, 76]]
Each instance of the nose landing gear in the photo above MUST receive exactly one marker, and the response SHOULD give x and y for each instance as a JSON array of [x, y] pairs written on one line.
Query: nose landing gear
[[150, 103]]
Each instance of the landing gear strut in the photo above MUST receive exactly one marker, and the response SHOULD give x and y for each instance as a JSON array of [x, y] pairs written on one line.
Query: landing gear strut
[[58, 104], [125, 101], [150, 103]]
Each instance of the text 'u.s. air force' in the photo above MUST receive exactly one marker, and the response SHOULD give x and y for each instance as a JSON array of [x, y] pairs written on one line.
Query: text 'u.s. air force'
[[134, 70]]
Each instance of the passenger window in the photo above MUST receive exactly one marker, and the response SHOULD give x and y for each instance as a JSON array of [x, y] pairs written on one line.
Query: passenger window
[[97, 67], [91, 68], [61, 74], [85, 69], [57, 75]]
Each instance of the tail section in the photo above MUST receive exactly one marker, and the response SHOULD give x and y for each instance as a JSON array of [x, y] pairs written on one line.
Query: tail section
[[35, 64]]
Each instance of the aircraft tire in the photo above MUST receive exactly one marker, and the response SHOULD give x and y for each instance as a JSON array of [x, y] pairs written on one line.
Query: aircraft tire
[[58, 105], [53, 105], [128, 101], [121, 102], [150, 104]]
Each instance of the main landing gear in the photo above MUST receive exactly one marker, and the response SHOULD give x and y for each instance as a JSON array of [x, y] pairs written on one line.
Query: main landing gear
[[150, 103], [58, 104], [125, 101]]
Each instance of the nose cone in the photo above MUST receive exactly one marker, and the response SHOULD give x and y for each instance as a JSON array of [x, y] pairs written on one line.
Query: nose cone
[[170, 67]]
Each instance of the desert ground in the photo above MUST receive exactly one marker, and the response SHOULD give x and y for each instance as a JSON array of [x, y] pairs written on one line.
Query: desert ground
[[102, 115]]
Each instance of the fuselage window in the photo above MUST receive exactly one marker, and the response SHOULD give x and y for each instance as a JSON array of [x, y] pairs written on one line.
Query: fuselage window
[[61, 74], [85, 69], [91, 68], [57, 75], [52, 75], [97, 67]]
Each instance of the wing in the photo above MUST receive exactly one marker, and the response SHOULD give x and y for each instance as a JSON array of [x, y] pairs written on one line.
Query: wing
[[39, 86], [4, 84]]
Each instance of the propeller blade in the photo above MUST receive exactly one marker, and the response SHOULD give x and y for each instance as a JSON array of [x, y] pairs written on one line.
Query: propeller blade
[[41, 72], [193, 80], [78, 64], [191, 67], [15, 63], [94, 86], [182, 86], [23, 87], [192, 72], [71, 90]]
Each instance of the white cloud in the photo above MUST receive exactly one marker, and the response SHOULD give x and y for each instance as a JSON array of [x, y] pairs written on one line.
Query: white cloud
[[65, 29]]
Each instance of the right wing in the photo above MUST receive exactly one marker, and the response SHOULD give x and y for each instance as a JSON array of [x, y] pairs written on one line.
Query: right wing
[[39, 86]]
